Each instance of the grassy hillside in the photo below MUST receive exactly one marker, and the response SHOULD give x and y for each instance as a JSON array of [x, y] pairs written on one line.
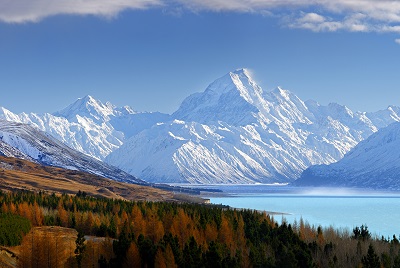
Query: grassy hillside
[[17, 174]]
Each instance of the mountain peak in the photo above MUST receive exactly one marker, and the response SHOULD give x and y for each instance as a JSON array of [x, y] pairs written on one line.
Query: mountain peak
[[91, 101], [87, 98], [242, 72], [87, 107], [235, 93]]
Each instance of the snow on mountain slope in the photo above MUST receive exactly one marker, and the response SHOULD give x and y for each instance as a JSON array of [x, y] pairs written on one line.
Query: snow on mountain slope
[[132, 124], [234, 132], [88, 125], [229, 99], [169, 157], [90, 108], [191, 152], [385, 117], [373, 163], [24, 141], [9, 151]]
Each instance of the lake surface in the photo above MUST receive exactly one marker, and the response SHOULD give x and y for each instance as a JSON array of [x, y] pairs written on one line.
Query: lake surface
[[340, 208]]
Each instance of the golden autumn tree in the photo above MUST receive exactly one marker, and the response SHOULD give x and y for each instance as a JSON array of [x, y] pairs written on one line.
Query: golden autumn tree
[[138, 222], [211, 232], [225, 235], [91, 256], [159, 260], [12, 208], [62, 214], [169, 257], [181, 227], [104, 249], [133, 258], [24, 210], [45, 248], [33, 251], [124, 219], [38, 217], [89, 223], [240, 237], [155, 229]]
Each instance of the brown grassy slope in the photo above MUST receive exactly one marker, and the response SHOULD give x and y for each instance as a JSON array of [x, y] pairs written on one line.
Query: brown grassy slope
[[17, 174]]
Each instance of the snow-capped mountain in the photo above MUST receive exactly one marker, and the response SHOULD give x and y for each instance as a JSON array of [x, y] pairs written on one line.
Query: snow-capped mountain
[[88, 125], [26, 142], [234, 132], [373, 163]]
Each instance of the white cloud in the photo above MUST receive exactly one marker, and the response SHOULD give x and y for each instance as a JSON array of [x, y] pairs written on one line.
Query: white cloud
[[319, 23], [312, 18], [391, 29], [338, 15], [21, 11], [382, 10], [346, 15], [397, 41]]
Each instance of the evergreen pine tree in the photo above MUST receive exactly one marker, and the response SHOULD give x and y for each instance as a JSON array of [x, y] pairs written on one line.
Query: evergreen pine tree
[[371, 260], [80, 248]]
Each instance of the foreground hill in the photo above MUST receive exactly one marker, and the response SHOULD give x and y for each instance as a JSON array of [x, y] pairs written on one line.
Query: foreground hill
[[373, 163], [27, 142], [18, 174]]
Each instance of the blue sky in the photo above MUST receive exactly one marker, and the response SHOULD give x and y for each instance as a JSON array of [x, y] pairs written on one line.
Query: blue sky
[[152, 54]]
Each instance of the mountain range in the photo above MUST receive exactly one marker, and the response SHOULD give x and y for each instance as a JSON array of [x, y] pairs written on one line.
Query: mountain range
[[233, 132], [373, 163]]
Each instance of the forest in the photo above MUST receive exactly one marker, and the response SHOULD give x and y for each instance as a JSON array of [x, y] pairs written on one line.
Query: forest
[[117, 233]]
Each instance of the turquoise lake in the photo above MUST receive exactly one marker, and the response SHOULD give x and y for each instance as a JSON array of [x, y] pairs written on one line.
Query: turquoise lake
[[340, 208]]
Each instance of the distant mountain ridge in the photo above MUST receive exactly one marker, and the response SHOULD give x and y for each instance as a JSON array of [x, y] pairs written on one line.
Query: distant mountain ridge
[[233, 132], [88, 125], [373, 163]]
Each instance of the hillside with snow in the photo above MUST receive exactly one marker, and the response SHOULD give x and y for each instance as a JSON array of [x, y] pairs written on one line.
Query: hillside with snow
[[26, 142], [233, 132], [373, 163]]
